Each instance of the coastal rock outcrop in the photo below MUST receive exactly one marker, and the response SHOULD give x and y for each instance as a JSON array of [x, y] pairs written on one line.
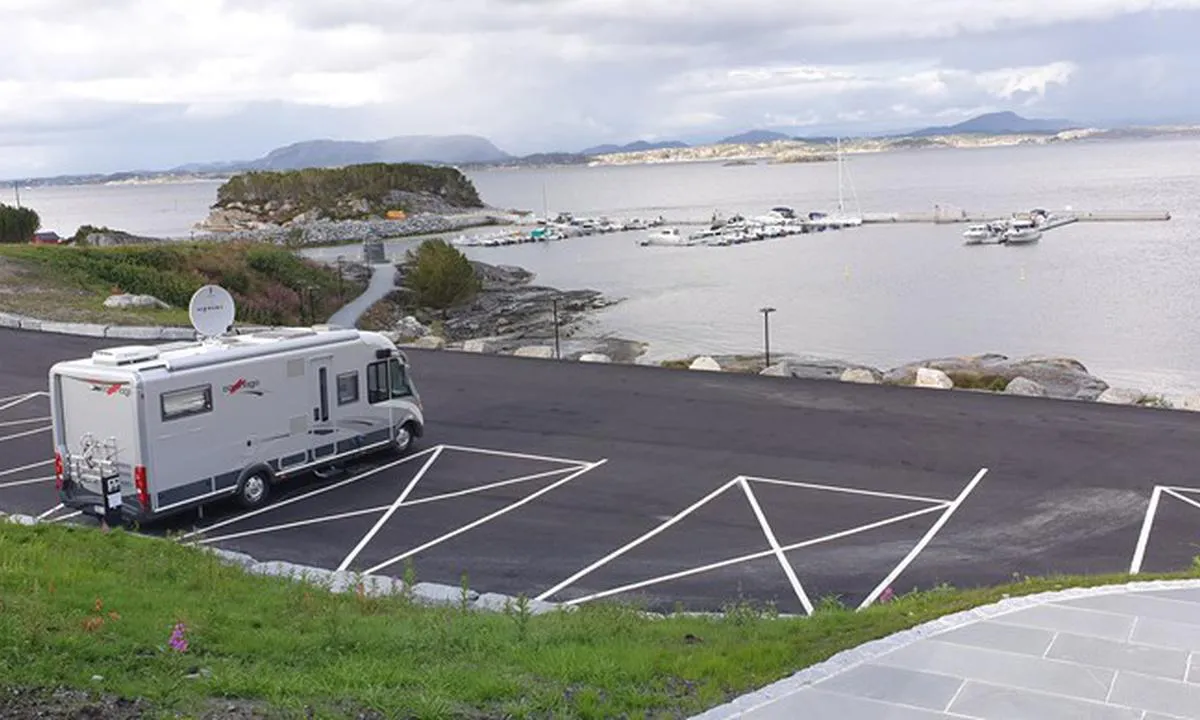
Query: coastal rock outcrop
[[1025, 387], [1121, 396], [1063, 378]]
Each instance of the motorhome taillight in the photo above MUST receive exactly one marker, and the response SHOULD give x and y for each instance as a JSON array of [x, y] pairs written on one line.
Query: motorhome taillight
[[58, 471], [139, 481]]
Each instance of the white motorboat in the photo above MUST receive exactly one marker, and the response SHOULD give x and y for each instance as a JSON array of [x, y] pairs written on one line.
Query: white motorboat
[[1022, 234], [666, 236], [984, 234]]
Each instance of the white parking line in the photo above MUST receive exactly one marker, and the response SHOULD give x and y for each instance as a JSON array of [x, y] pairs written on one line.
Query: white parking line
[[362, 543], [1139, 552], [848, 490], [783, 561], [895, 573], [314, 493], [13, 423], [15, 400], [14, 471], [515, 455], [1176, 493], [50, 512], [27, 433], [488, 518], [626, 548], [383, 508], [296, 524], [755, 556], [31, 481]]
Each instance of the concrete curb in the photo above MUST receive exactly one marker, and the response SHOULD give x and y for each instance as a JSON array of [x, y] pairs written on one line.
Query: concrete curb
[[126, 332], [848, 659], [424, 593]]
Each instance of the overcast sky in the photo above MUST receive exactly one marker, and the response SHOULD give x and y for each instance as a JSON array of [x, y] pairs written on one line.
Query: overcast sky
[[107, 85]]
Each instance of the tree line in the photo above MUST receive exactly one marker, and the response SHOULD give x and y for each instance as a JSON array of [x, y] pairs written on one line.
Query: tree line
[[18, 224]]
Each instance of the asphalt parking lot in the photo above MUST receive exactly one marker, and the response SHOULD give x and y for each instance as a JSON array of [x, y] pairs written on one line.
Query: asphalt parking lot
[[575, 483]]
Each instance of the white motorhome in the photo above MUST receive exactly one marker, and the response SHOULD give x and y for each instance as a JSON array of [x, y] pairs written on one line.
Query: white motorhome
[[169, 428]]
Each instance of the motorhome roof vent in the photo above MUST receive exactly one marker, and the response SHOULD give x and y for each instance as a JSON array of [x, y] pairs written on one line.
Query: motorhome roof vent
[[125, 355]]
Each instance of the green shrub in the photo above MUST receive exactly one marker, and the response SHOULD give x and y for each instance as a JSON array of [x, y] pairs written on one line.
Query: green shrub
[[440, 276], [18, 224]]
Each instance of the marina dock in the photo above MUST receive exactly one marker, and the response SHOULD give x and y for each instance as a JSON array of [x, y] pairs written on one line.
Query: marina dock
[[1058, 217]]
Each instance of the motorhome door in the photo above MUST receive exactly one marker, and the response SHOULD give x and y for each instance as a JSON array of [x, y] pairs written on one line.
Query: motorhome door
[[320, 425]]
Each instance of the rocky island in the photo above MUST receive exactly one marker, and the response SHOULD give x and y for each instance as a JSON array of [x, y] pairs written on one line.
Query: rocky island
[[326, 206]]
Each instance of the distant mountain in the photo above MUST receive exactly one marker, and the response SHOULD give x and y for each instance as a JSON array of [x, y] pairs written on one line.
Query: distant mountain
[[754, 137], [639, 146], [430, 149], [999, 123]]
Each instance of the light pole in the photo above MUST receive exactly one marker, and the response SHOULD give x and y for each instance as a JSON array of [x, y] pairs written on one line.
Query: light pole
[[766, 335], [557, 355]]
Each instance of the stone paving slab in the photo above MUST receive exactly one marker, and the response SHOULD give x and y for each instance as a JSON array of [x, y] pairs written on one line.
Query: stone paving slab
[[1118, 653]]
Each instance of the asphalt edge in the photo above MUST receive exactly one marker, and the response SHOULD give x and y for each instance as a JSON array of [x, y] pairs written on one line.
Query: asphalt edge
[[848, 659]]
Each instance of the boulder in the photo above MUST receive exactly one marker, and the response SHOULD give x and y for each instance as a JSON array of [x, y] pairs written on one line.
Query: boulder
[[1121, 396], [480, 345], [782, 369], [931, 378], [410, 327], [705, 363], [1026, 387], [542, 352], [1190, 402], [594, 358], [127, 301], [862, 376], [429, 342]]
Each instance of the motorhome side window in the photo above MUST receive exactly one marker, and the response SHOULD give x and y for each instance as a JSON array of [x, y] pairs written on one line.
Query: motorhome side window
[[186, 403], [400, 386], [377, 382], [347, 388]]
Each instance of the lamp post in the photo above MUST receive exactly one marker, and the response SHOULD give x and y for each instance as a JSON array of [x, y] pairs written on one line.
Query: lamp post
[[766, 311], [557, 354]]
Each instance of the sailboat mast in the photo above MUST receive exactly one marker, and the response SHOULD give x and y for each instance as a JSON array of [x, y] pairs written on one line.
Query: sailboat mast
[[841, 195]]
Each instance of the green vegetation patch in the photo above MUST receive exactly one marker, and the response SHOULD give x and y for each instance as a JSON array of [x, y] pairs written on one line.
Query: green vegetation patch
[[176, 627], [271, 285], [18, 224], [353, 192]]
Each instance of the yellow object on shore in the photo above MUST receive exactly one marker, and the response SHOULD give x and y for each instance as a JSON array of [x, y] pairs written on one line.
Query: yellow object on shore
[[396, 214]]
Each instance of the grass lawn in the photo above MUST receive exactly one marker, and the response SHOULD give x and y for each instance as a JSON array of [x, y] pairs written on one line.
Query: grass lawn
[[70, 284], [76, 604]]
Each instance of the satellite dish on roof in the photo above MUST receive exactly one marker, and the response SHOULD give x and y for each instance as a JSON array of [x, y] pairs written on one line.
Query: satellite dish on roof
[[211, 311]]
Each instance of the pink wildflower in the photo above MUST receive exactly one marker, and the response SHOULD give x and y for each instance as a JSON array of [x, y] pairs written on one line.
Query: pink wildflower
[[886, 595], [179, 641]]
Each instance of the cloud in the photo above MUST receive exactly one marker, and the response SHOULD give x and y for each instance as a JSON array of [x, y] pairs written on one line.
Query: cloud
[[214, 79]]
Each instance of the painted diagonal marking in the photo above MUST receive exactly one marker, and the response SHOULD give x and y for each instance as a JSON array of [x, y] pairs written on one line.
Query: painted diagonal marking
[[850, 491], [27, 433], [296, 524], [14, 471], [488, 518], [758, 555], [314, 493], [15, 400], [1139, 552], [27, 421], [31, 481], [631, 545], [783, 561], [895, 573], [390, 511], [1175, 494], [515, 455]]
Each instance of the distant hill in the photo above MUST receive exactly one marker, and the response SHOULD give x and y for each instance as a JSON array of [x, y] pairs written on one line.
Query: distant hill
[[999, 123], [754, 137], [432, 149], [638, 146]]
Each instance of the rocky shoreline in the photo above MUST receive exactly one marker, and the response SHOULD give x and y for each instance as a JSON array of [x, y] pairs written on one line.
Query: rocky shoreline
[[510, 315], [514, 316]]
